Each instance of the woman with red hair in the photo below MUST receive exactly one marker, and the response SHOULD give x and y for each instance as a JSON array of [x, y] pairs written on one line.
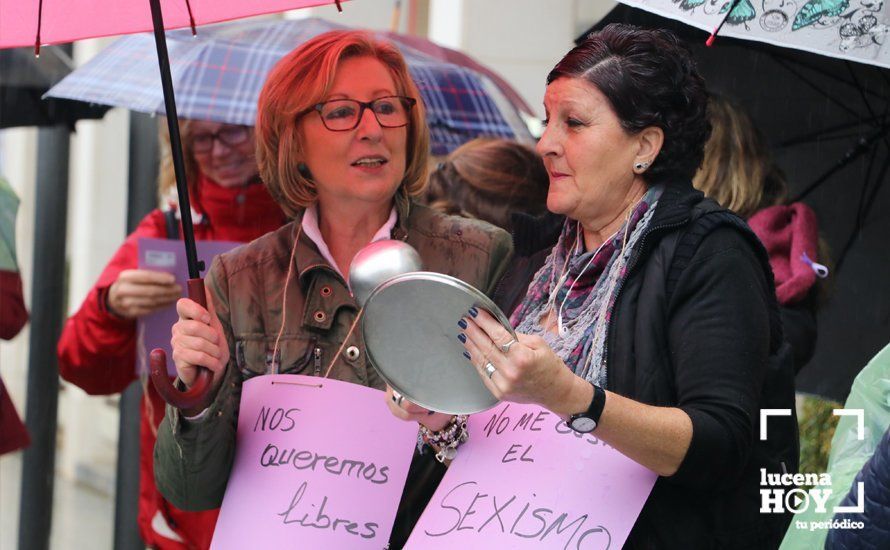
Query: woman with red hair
[[343, 147]]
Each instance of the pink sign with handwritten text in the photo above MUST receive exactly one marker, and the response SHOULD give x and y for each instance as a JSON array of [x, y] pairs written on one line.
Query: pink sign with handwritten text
[[319, 464], [526, 480]]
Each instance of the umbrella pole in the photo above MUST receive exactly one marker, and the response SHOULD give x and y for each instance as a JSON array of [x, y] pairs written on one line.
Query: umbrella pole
[[861, 147], [195, 398], [47, 312]]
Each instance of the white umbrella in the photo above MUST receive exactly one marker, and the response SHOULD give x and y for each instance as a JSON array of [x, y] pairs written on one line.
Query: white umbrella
[[856, 30]]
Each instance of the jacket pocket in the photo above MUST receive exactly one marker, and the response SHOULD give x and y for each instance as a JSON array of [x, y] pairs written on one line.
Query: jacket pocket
[[295, 356]]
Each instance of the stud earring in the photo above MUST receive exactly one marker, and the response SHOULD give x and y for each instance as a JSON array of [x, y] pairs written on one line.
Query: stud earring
[[640, 166]]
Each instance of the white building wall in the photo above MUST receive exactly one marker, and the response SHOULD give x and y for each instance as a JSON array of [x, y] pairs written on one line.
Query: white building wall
[[96, 226], [97, 212]]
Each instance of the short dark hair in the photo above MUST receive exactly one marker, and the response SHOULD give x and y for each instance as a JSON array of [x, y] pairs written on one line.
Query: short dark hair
[[650, 79]]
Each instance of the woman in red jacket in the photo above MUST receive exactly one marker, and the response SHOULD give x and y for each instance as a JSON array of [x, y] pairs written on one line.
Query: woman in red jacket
[[97, 350]]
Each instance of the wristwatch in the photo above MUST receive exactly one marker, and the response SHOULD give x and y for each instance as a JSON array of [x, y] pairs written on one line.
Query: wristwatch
[[585, 422]]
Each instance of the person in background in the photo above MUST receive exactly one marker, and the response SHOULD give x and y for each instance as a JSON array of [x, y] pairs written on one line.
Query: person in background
[[97, 349], [343, 146], [504, 183], [875, 502], [740, 174], [652, 322], [13, 315], [491, 180]]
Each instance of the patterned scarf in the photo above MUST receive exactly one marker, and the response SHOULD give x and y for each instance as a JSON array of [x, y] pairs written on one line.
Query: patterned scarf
[[580, 287]]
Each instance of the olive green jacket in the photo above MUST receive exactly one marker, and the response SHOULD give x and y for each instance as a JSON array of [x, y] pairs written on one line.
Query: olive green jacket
[[192, 459]]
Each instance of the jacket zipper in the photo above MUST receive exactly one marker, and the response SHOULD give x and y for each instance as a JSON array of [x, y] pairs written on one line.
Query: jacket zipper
[[317, 354], [612, 311]]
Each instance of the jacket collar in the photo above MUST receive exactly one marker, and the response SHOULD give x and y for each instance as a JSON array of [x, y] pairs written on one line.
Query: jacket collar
[[676, 204], [533, 234], [309, 259]]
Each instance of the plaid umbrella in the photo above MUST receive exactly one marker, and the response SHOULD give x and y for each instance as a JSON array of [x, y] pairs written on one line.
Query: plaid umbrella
[[218, 76]]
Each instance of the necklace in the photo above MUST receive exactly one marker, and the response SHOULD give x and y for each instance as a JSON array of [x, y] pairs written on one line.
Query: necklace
[[560, 326]]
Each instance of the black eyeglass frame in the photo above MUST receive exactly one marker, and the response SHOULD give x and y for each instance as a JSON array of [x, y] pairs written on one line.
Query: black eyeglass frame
[[409, 102]]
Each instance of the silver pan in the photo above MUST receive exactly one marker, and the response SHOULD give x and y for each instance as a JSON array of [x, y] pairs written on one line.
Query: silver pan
[[410, 329]]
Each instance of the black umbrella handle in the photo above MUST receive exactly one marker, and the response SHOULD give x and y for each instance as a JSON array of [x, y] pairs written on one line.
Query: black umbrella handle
[[185, 209], [197, 397]]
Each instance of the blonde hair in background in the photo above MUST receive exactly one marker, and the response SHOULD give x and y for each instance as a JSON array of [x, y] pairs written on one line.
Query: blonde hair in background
[[166, 175], [738, 171], [302, 79]]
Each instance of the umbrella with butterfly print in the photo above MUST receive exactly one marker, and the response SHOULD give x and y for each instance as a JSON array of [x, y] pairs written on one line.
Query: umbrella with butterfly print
[[827, 121], [856, 30]]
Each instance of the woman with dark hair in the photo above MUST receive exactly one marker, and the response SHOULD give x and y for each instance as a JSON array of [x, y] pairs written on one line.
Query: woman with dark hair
[[653, 319], [490, 179]]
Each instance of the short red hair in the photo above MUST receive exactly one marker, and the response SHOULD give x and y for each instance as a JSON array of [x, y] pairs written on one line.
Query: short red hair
[[302, 79]]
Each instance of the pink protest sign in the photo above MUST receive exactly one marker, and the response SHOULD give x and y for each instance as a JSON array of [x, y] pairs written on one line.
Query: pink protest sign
[[526, 480], [318, 464], [168, 255]]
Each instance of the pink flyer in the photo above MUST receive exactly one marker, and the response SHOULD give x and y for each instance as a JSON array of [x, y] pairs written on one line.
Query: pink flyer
[[168, 255]]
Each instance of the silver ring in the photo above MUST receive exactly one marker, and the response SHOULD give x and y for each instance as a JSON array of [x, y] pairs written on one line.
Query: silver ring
[[490, 370], [397, 398], [506, 347]]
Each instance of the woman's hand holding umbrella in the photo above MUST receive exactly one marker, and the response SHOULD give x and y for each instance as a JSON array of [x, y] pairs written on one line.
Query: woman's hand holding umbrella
[[199, 343]]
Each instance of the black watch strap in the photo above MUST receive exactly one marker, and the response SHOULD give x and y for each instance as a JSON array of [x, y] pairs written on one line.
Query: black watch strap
[[587, 421]]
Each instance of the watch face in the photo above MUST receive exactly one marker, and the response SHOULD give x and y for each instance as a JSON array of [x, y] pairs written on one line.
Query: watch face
[[583, 424]]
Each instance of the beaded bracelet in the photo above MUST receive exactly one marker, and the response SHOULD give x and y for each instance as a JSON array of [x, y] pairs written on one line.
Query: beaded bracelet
[[448, 438]]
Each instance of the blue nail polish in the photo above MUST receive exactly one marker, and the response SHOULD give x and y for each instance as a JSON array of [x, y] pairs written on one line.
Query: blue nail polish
[[462, 337], [467, 355], [474, 312], [462, 324]]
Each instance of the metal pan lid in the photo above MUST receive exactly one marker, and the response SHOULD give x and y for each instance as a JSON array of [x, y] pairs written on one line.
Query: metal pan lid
[[410, 330]]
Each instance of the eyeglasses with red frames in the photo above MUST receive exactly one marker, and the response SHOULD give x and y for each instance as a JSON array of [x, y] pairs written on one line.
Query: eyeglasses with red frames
[[342, 115], [228, 135]]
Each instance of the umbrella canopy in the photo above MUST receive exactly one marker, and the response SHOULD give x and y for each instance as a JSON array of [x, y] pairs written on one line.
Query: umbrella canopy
[[29, 22], [219, 73], [847, 29], [20, 20], [827, 122], [459, 58], [23, 81]]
